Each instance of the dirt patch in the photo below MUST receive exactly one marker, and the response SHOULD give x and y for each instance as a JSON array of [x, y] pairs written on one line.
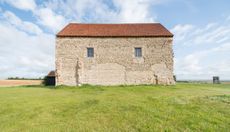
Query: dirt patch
[[225, 82], [19, 82]]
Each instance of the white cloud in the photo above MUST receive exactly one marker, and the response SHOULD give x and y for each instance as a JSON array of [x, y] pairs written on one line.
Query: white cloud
[[54, 14], [22, 54], [210, 36], [22, 25], [114, 11], [50, 19], [198, 66], [191, 66], [45, 16], [22, 4], [201, 51], [134, 10], [211, 33], [181, 31]]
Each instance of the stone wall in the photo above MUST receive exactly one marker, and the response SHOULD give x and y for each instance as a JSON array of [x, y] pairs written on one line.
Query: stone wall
[[114, 61]]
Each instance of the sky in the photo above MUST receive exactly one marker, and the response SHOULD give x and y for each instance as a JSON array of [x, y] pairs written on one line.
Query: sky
[[201, 31]]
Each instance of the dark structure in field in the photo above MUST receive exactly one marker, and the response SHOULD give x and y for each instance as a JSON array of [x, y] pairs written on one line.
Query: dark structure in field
[[216, 80], [50, 79]]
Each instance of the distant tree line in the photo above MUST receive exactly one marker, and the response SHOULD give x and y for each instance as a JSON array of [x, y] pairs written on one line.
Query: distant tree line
[[23, 78]]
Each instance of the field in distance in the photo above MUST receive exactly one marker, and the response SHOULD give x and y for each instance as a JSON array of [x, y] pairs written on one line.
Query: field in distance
[[19, 82]]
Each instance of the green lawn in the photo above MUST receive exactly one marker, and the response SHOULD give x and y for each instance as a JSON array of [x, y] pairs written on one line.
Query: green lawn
[[184, 107]]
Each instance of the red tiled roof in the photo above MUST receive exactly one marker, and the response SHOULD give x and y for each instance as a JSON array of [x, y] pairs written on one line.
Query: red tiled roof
[[51, 74], [114, 30]]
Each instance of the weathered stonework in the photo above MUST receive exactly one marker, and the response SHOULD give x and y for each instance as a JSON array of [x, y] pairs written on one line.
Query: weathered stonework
[[114, 62]]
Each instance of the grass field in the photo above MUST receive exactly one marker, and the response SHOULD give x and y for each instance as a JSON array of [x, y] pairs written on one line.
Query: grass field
[[184, 107]]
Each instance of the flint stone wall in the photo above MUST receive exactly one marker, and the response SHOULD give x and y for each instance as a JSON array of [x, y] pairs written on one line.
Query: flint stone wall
[[114, 61]]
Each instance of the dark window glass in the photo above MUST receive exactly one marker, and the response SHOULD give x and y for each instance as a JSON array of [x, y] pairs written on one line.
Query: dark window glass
[[138, 52], [90, 52]]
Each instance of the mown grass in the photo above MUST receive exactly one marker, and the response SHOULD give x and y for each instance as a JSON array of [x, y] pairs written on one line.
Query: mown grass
[[183, 107]]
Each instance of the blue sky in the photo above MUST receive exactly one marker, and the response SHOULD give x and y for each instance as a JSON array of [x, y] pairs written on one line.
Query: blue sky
[[201, 29]]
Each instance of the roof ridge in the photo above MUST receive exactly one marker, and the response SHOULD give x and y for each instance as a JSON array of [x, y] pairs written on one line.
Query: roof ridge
[[113, 23]]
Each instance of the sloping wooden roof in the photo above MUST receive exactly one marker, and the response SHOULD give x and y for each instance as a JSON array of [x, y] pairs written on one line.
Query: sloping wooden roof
[[114, 30], [51, 74]]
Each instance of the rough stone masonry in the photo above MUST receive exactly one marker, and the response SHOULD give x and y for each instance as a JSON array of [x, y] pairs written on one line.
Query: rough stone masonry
[[114, 50]]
